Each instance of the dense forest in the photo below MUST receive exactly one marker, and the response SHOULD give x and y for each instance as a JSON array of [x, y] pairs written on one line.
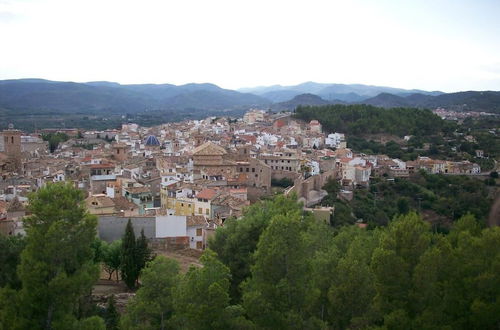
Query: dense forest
[[366, 119], [276, 268], [431, 136], [440, 199]]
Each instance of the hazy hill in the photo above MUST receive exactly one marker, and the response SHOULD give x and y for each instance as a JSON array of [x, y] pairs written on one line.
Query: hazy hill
[[302, 99], [343, 92], [386, 100], [44, 95], [37, 95], [486, 101]]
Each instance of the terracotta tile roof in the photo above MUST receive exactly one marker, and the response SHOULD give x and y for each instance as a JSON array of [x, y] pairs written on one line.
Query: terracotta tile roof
[[104, 201], [210, 149], [195, 220], [207, 194], [121, 203]]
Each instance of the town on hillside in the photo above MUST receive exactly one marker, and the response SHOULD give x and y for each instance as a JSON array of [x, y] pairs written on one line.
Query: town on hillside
[[180, 181]]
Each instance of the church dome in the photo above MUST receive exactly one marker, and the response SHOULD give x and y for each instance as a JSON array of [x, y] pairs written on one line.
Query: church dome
[[152, 141]]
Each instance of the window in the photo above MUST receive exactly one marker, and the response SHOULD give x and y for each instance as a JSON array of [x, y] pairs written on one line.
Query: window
[[199, 245], [253, 169], [199, 232], [248, 170], [207, 211], [200, 210], [256, 175]]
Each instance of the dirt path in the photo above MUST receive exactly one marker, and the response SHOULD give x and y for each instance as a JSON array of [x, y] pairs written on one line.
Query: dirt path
[[186, 258]]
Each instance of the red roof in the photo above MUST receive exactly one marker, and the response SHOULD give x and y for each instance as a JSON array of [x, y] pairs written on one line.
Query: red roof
[[249, 138], [207, 194], [280, 123]]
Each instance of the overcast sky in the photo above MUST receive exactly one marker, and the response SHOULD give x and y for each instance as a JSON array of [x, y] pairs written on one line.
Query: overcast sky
[[433, 45]]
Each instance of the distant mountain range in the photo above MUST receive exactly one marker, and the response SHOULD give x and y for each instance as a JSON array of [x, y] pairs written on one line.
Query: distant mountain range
[[38, 95], [303, 99], [487, 101], [329, 92]]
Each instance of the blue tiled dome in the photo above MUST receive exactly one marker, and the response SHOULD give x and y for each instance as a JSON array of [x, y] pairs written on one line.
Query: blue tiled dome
[[152, 141]]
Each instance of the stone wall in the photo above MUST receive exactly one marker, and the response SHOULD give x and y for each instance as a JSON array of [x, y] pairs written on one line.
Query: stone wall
[[111, 228]]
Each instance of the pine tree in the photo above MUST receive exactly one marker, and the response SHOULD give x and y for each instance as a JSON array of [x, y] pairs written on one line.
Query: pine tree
[[57, 267], [129, 270], [274, 296], [152, 306], [201, 298]]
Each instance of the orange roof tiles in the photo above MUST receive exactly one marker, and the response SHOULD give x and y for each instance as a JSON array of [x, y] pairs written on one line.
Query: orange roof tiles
[[207, 194]]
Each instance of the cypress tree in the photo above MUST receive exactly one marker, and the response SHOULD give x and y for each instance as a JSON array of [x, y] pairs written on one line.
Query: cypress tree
[[129, 268], [112, 316], [143, 252]]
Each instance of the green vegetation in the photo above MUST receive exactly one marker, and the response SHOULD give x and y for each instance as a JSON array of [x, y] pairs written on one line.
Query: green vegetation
[[56, 269], [10, 256], [87, 146], [367, 119], [152, 306], [54, 139], [438, 197], [134, 256], [111, 258], [306, 275], [430, 135], [276, 268], [112, 317], [283, 183]]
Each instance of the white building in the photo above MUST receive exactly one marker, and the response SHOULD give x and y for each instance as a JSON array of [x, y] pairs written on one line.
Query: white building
[[336, 140]]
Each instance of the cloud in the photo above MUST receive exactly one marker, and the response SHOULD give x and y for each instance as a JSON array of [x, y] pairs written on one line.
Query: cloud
[[492, 68], [6, 16]]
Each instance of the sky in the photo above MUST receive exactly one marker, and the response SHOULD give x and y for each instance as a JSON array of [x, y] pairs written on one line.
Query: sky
[[449, 45]]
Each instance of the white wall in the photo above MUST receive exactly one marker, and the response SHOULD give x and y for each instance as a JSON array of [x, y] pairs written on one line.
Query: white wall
[[193, 238], [110, 192], [170, 226]]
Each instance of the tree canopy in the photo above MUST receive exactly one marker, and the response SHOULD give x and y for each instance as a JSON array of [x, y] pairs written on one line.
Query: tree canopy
[[57, 266]]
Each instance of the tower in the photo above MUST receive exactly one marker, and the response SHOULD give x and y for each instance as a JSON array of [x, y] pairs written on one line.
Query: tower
[[120, 151], [12, 146]]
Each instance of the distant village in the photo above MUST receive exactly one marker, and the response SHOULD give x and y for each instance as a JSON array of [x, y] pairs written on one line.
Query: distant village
[[180, 181]]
